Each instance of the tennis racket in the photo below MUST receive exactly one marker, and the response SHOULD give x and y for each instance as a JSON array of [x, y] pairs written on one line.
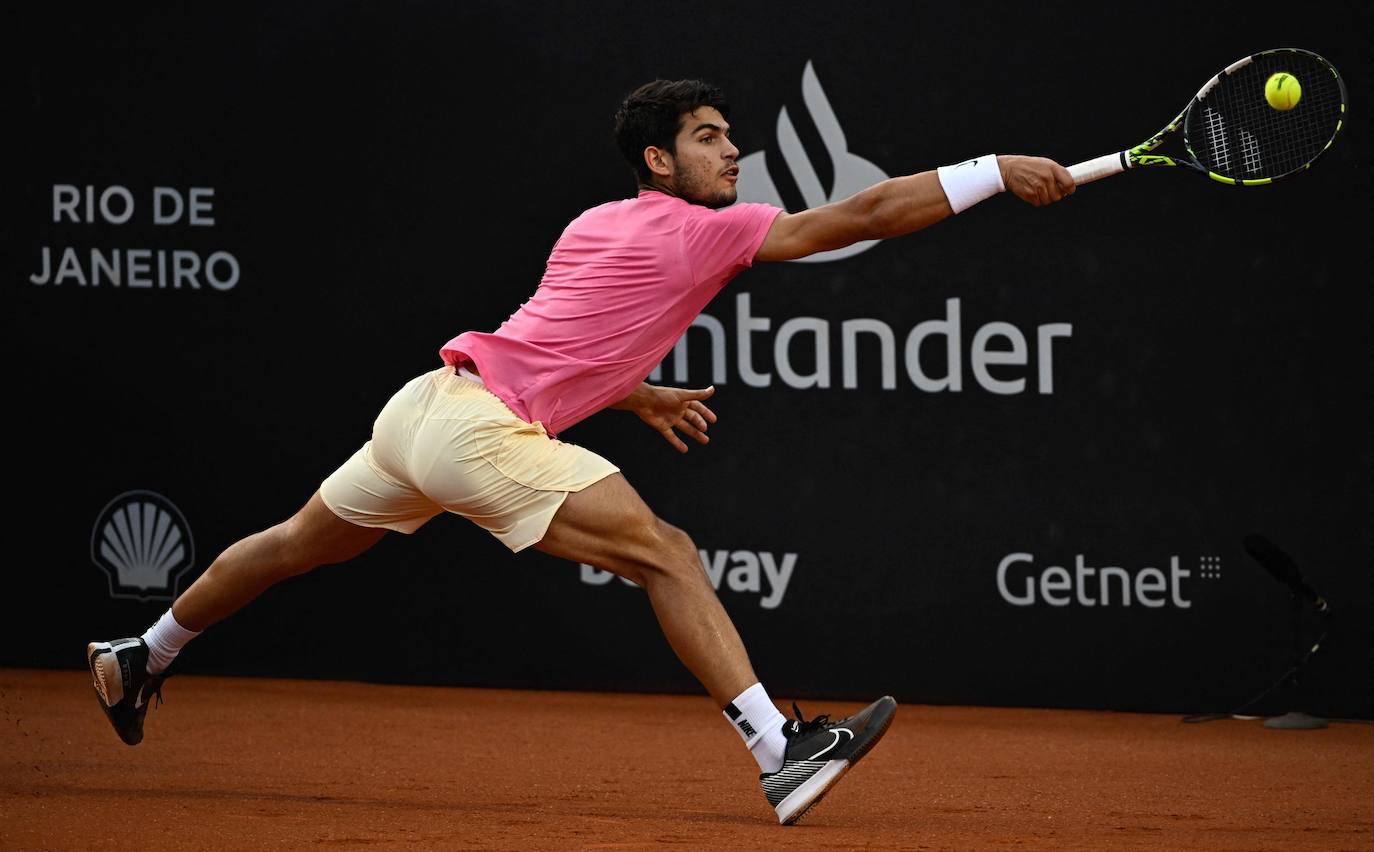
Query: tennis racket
[[1232, 134]]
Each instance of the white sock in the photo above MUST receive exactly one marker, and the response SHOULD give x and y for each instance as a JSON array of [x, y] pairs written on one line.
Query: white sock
[[165, 640], [760, 724]]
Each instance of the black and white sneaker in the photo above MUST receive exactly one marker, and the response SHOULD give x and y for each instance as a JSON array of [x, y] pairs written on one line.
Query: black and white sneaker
[[123, 685], [818, 753]]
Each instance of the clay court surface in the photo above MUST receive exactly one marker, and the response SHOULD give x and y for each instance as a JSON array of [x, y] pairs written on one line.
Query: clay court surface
[[275, 764]]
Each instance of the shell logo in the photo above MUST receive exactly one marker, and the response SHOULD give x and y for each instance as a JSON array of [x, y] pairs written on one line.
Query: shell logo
[[143, 543]]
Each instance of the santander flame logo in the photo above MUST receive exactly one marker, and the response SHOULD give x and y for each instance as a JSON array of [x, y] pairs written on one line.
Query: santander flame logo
[[852, 172]]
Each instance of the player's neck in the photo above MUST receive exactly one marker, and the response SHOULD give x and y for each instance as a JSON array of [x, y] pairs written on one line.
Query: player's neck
[[657, 187], [672, 192]]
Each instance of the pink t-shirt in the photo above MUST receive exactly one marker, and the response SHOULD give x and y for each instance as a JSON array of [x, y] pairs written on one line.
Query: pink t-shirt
[[622, 284]]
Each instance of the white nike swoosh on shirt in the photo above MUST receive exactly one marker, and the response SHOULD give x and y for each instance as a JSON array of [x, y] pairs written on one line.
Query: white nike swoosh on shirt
[[836, 732]]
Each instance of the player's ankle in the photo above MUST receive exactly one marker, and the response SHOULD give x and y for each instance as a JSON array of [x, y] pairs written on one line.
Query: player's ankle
[[165, 639], [759, 723]]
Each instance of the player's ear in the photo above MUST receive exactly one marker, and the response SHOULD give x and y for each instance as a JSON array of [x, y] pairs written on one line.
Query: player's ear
[[660, 162]]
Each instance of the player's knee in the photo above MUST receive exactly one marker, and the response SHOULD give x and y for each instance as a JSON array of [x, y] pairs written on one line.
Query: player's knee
[[680, 544], [290, 554], [647, 548], [301, 547], [672, 551]]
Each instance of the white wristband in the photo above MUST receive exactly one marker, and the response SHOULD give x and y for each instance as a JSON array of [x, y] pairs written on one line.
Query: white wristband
[[967, 183]]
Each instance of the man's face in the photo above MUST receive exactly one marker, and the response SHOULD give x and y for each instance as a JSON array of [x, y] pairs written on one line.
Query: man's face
[[704, 168]]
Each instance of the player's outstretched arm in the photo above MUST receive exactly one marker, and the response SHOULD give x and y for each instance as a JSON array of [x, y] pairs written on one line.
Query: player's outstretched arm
[[902, 205], [666, 409]]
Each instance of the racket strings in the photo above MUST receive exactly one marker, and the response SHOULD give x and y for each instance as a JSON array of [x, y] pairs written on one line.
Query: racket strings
[[1234, 132], [1216, 140]]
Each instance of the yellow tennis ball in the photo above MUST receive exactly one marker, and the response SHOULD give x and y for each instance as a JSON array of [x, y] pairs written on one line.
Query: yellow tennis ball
[[1282, 90]]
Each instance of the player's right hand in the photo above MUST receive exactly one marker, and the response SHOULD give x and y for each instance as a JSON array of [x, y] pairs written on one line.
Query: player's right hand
[[1035, 180]]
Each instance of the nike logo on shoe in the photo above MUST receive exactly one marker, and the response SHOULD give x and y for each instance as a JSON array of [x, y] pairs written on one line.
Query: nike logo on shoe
[[838, 739]]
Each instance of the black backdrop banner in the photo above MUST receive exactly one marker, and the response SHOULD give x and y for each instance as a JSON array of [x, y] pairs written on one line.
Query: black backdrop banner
[[1009, 460]]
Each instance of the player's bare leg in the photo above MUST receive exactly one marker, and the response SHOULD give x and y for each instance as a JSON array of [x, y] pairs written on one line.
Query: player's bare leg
[[608, 525], [312, 537]]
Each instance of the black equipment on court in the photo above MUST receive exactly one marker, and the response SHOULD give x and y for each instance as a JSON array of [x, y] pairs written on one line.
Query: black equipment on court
[[1284, 569]]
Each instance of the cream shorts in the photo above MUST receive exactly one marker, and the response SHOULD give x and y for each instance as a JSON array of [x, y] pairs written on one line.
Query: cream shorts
[[446, 443]]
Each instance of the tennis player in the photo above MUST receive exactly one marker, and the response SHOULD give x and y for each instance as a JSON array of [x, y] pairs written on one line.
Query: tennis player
[[477, 436]]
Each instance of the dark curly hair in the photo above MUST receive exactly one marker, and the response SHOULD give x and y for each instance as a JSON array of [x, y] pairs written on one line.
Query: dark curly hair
[[651, 115]]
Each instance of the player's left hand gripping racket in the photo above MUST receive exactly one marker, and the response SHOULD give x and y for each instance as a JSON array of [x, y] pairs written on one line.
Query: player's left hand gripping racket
[[1233, 134]]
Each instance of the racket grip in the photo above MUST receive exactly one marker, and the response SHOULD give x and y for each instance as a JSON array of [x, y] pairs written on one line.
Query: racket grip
[[1091, 170]]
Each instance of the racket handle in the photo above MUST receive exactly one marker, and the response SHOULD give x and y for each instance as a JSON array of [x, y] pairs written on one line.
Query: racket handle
[[1091, 170]]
